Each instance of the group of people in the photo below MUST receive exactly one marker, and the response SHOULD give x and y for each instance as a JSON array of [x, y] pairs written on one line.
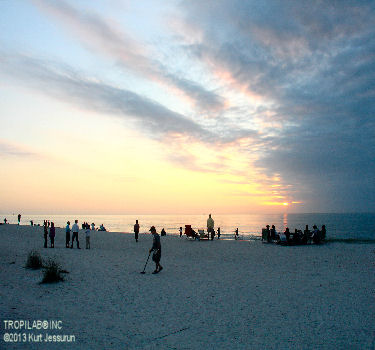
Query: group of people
[[294, 238], [50, 226]]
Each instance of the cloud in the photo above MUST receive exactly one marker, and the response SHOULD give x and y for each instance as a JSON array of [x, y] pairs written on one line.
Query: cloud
[[313, 64], [102, 36], [63, 82], [8, 149]]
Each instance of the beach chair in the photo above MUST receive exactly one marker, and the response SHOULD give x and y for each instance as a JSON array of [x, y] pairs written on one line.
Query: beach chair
[[189, 232]]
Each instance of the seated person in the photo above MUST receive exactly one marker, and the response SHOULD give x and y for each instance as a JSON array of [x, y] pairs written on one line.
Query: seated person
[[316, 235], [281, 238]]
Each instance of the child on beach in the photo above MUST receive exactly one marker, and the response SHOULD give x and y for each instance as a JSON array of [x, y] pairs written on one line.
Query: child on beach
[[87, 238]]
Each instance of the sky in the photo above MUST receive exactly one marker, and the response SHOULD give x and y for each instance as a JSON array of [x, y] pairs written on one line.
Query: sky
[[187, 107]]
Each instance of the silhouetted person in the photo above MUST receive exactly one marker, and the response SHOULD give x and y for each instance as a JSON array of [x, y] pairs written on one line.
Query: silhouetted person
[[180, 231], [136, 230], [316, 235], [75, 230], [210, 225], [5, 221], [268, 233], [92, 226], [236, 234], [218, 233], [67, 234], [19, 218], [273, 232], [163, 233], [324, 232], [156, 248], [45, 234], [87, 236], [52, 235], [287, 234]]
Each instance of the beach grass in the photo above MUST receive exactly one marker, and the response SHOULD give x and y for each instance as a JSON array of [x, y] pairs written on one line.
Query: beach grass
[[34, 260], [52, 272]]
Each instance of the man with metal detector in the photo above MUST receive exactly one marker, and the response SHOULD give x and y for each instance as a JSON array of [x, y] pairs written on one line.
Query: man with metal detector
[[156, 248]]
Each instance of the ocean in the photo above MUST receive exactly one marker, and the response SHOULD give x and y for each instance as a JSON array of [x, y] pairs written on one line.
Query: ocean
[[356, 226]]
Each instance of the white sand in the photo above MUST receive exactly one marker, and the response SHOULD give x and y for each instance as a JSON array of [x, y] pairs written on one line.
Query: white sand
[[210, 295]]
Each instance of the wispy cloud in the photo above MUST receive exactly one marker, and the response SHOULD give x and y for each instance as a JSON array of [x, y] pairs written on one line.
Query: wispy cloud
[[65, 83], [104, 37], [9, 149]]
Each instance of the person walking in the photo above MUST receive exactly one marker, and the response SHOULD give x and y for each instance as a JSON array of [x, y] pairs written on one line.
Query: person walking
[[210, 226], [136, 230], [156, 248], [45, 234], [67, 234], [52, 235], [75, 230]]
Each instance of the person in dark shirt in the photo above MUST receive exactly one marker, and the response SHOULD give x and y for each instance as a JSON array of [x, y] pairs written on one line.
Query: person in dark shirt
[[156, 248], [45, 234], [136, 230], [52, 235]]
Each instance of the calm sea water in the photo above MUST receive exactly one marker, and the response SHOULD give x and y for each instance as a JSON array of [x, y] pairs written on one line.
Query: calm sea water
[[342, 226]]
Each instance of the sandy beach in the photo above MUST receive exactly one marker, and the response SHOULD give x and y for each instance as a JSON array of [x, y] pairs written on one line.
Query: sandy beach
[[210, 295]]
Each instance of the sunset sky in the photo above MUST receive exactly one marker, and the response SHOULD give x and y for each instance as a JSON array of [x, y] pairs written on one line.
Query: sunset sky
[[154, 106]]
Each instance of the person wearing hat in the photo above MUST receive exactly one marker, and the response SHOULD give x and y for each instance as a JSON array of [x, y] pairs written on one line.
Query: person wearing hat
[[156, 248]]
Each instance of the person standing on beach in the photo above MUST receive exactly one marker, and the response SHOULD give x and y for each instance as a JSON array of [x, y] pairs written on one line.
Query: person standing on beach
[[210, 225], [67, 234], [218, 233], [136, 230], [92, 226], [180, 232], [75, 230], [45, 234], [52, 235], [324, 232], [19, 218], [87, 237], [5, 221], [236, 234], [156, 248], [268, 233]]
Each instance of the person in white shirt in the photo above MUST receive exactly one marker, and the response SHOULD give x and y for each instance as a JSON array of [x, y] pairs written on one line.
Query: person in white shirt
[[75, 230], [87, 238]]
